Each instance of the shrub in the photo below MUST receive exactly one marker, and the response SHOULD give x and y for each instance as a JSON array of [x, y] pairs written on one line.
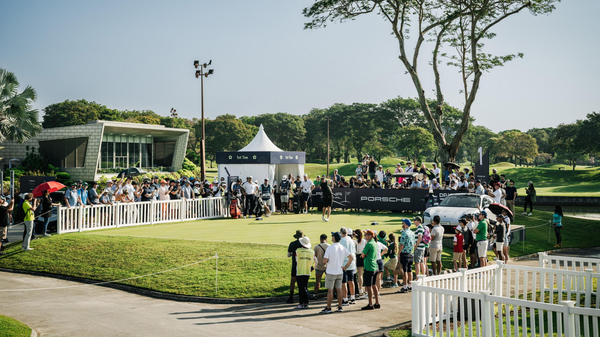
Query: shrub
[[188, 165], [63, 177]]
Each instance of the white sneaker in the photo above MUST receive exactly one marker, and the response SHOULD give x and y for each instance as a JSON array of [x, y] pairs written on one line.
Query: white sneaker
[[323, 218], [530, 214], [24, 249], [47, 234], [327, 219], [524, 213], [244, 217]]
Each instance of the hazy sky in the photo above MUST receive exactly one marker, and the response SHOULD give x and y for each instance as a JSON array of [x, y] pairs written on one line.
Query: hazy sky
[[138, 55]]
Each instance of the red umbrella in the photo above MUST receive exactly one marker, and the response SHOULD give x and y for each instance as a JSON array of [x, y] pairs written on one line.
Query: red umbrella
[[498, 208], [51, 186]]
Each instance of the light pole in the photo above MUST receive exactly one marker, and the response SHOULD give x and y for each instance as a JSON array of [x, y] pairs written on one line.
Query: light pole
[[200, 73], [173, 115]]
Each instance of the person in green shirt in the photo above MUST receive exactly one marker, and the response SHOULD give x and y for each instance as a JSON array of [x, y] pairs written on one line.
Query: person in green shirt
[[369, 254], [29, 210], [481, 233], [305, 257]]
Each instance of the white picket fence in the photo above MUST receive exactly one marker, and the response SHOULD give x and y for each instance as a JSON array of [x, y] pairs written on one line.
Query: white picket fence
[[78, 219], [568, 262], [500, 300]]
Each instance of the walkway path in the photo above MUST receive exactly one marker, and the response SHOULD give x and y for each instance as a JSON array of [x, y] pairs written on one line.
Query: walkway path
[[84, 310]]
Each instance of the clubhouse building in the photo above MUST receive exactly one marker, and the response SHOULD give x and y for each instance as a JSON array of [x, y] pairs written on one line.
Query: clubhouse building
[[102, 147]]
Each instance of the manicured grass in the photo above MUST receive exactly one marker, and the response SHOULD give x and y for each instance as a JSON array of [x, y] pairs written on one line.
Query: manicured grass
[[12, 328], [116, 254]]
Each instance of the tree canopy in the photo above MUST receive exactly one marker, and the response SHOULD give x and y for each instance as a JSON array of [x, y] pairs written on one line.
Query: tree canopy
[[18, 121], [457, 32]]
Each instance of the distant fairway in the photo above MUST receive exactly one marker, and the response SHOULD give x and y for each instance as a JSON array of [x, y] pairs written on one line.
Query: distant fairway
[[277, 229]]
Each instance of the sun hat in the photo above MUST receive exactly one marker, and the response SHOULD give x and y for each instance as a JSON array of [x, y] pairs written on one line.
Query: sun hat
[[305, 242]]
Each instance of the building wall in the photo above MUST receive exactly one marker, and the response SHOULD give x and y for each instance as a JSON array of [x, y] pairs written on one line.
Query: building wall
[[14, 150], [179, 155]]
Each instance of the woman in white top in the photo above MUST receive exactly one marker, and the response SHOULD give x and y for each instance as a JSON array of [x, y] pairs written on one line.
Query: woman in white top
[[360, 246]]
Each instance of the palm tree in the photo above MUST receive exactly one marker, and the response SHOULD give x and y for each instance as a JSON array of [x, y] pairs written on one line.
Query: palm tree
[[18, 121]]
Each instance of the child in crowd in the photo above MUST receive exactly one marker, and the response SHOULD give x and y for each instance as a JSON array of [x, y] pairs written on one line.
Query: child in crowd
[[457, 257]]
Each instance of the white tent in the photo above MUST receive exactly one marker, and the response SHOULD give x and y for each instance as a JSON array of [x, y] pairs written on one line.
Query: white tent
[[260, 159]]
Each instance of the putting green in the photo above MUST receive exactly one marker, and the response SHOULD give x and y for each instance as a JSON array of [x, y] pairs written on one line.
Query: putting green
[[277, 229]]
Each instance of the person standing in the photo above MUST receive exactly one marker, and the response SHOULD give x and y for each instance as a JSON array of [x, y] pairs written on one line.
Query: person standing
[[458, 248], [390, 265], [320, 267], [405, 246], [420, 246], [360, 263], [93, 194], [499, 234], [5, 210], [327, 198], [187, 191], [435, 247], [481, 232], [436, 171], [348, 276], [71, 197], [529, 198], [497, 194], [305, 257], [479, 190], [266, 192], [557, 223], [372, 167], [284, 190], [358, 171], [369, 254], [47, 205], [291, 253], [307, 187], [334, 258], [29, 211], [511, 196], [248, 192]]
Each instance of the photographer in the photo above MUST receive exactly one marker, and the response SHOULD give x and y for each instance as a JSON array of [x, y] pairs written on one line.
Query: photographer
[[372, 168]]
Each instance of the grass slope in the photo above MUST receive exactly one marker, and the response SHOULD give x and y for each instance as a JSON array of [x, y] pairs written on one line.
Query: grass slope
[[257, 269], [12, 328]]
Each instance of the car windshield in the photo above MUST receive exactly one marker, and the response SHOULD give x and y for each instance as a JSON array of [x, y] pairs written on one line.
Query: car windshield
[[470, 201]]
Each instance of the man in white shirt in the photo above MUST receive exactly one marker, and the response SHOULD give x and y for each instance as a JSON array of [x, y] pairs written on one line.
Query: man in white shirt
[[348, 276], [334, 259], [409, 168], [129, 189], [497, 195], [248, 192], [435, 246], [479, 190], [307, 187], [436, 171], [379, 173]]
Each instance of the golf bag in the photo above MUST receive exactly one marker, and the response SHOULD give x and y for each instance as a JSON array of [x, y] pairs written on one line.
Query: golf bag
[[259, 206], [234, 209]]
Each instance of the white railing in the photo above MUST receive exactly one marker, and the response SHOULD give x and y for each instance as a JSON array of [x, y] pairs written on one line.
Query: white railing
[[78, 219], [568, 262], [436, 312], [471, 280]]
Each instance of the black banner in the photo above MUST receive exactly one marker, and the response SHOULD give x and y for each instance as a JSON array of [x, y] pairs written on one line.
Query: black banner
[[389, 200], [345, 197], [261, 157], [482, 168]]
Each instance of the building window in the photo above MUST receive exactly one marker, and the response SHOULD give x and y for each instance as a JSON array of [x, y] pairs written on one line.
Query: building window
[[66, 153], [123, 151], [163, 153]]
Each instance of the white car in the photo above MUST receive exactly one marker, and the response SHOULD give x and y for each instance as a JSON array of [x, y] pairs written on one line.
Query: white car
[[455, 206]]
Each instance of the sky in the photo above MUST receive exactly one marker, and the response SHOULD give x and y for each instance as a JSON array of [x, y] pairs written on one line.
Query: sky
[[138, 55]]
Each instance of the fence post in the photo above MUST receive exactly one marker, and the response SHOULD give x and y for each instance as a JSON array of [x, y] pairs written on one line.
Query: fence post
[[117, 209], [588, 287], [498, 278], [58, 220], [486, 312], [463, 279], [80, 217], [542, 256], [569, 318], [181, 209], [417, 329], [152, 211]]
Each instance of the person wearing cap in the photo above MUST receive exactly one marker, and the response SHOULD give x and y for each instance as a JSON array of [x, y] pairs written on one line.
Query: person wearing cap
[[392, 262], [110, 190], [335, 177], [406, 245], [147, 191], [435, 246], [5, 210], [497, 194], [499, 235], [358, 170], [334, 257], [93, 194], [307, 187], [494, 178], [327, 198], [284, 191], [369, 255], [266, 192], [481, 232], [249, 197], [479, 190], [305, 257], [71, 197], [320, 267], [187, 192], [292, 253], [348, 276], [382, 245], [458, 249], [420, 247]]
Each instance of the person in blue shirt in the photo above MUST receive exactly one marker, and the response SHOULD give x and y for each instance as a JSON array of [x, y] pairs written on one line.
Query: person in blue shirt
[[71, 196], [557, 223], [82, 193]]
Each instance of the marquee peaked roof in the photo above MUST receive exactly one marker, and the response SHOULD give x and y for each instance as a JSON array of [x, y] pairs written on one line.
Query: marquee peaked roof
[[261, 143]]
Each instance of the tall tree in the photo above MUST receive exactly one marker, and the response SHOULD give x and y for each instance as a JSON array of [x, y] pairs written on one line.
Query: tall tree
[[457, 29], [224, 133], [476, 137], [69, 113], [517, 144], [18, 121], [567, 145], [588, 133], [285, 130]]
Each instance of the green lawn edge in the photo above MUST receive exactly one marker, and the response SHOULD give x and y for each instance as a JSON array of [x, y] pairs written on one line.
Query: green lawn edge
[[10, 327]]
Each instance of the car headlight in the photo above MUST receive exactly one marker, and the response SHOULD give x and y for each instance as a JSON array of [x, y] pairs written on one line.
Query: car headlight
[[426, 215]]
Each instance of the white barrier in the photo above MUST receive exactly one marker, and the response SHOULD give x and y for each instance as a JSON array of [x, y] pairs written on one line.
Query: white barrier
[[78, 219], [568, 262]]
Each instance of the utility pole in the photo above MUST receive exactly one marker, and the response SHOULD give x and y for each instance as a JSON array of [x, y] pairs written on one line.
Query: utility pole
[[200, 73], [327, 147]]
